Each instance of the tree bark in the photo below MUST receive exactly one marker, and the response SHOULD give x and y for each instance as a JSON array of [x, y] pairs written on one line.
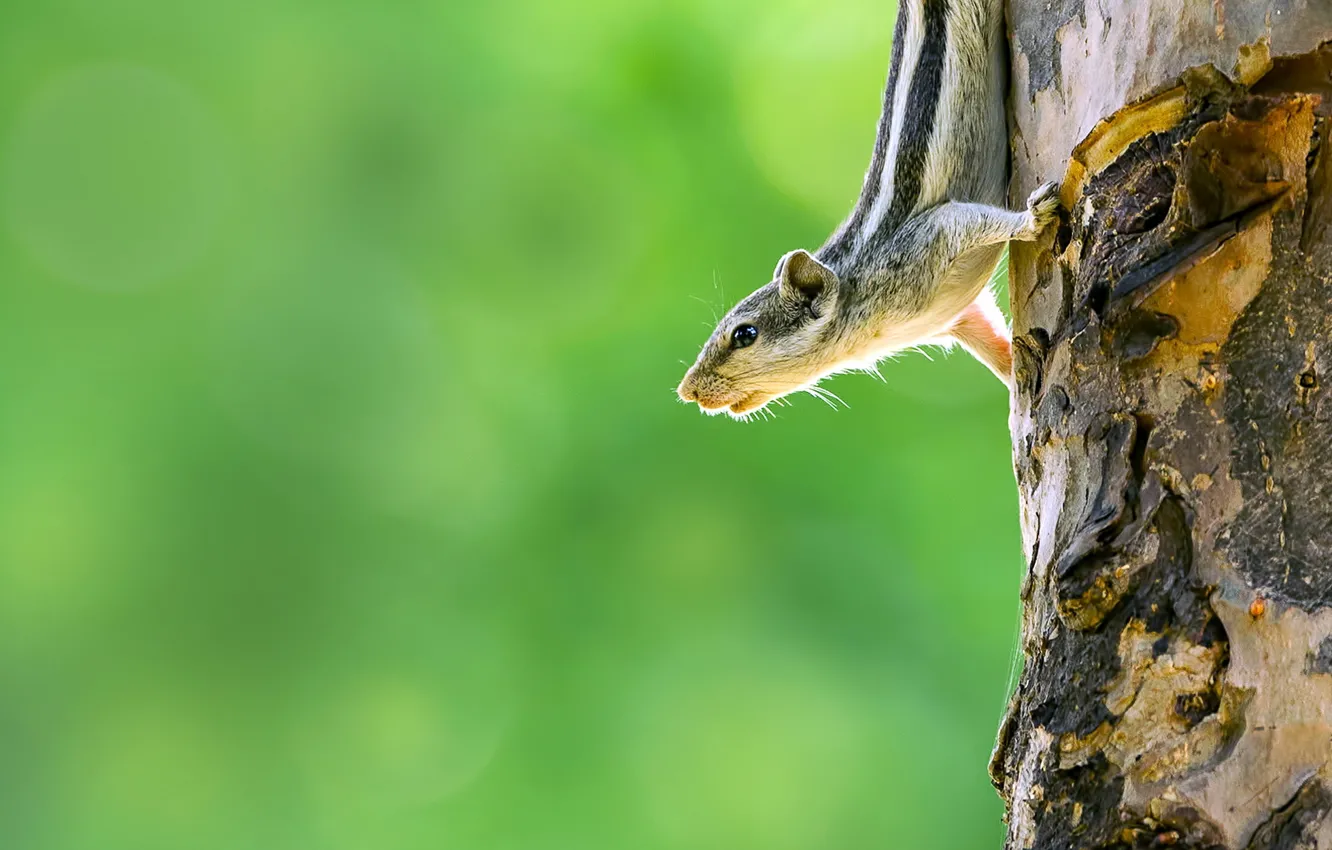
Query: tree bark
[[1172, 426]]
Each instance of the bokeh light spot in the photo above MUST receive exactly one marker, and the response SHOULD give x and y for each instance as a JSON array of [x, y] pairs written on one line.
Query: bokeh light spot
[[113, 177], [385, 738]]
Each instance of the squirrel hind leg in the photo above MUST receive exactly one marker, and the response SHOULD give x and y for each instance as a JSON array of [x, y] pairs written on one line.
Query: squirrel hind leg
[[981, 330]]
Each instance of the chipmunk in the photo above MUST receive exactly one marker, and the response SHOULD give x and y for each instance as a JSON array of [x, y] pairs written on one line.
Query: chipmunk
[[910, 265]]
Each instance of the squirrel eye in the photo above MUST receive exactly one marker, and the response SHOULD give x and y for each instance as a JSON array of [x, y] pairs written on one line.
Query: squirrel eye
[[743, 336]]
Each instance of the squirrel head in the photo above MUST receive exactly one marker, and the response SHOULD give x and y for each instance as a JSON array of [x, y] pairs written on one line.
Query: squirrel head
[[772, 343]]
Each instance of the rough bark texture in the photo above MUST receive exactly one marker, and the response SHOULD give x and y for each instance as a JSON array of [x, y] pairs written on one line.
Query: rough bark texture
[[1172, 426]]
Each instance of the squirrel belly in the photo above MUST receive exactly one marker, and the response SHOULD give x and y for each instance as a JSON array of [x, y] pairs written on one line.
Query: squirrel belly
[[910, 264], [964, 312]]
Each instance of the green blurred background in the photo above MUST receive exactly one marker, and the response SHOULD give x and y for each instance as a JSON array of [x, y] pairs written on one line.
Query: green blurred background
[[345, 501]]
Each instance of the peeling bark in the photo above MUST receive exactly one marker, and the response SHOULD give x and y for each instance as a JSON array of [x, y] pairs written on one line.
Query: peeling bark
[[1171, 430]]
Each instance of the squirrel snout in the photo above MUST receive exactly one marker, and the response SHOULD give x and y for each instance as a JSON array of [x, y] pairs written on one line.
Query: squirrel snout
[[687, 391]]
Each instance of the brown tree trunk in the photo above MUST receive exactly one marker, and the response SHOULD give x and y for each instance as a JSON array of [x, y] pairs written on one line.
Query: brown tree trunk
[[1172, 426]]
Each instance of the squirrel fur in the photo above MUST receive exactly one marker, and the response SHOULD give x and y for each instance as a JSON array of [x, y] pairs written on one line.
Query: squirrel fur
[[910, 264]]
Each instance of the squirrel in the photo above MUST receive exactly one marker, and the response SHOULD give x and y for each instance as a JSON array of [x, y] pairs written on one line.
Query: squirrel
[[911, 263]]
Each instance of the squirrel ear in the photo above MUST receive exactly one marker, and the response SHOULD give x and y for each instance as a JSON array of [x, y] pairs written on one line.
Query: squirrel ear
[[803, 276]]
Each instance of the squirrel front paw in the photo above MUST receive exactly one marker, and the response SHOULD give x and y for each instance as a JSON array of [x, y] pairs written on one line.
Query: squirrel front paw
[[1042, 211]]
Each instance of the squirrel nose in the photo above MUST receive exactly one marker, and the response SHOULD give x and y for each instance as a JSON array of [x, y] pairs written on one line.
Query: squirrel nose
[[687, 391]]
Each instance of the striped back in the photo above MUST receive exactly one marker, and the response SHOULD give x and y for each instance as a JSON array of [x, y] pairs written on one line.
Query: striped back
[[942, 133]]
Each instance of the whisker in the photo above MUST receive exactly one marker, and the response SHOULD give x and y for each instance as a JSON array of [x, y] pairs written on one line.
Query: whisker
[[814, 391], [712, 308], [835, 397]]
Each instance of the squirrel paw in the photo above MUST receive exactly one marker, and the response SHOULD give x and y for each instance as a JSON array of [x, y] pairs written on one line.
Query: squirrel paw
[[1042, 211]]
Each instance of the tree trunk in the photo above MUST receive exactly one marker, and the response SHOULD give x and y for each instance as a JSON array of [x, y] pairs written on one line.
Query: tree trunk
[[1172, 426]]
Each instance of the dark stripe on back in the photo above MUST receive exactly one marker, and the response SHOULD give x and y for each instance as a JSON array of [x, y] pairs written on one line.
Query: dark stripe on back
[[841, 245], [918, 123]]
